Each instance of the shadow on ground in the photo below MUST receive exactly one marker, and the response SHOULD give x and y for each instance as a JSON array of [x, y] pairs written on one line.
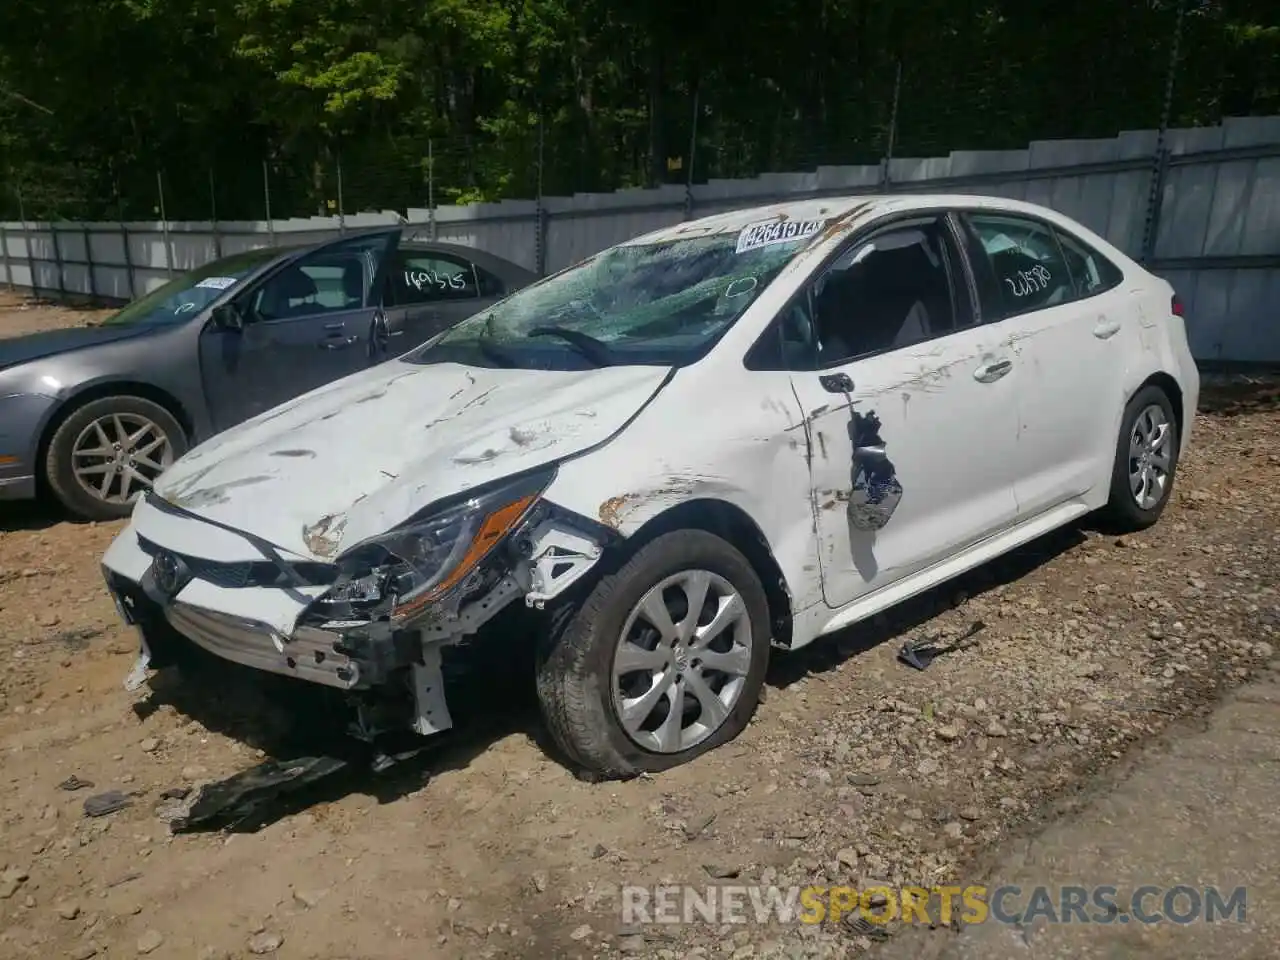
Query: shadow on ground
[[828, 653], [1234, 396], [39, 514], [304, 731]]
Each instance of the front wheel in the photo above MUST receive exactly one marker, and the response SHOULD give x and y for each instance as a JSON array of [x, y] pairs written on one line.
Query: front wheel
[[663, 661], [1145, 462], [106, 453]]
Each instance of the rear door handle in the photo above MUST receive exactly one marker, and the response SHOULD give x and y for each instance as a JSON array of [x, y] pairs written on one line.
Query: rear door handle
[[1106, 328], [991, 372]]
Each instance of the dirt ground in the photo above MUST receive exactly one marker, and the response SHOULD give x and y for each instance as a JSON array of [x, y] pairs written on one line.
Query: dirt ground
[[19, 315], [856, 768]]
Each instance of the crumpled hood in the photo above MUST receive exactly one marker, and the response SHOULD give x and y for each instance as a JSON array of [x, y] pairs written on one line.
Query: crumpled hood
[[354, 458], [47, 343]]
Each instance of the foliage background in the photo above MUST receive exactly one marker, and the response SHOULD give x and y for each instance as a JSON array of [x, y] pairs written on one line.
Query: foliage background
[[509, 98]]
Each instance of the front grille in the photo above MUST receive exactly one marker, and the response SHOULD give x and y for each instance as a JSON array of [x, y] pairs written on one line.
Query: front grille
[[246, 573]]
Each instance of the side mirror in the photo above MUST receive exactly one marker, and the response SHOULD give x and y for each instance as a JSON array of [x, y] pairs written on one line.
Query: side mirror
[[227, 316]]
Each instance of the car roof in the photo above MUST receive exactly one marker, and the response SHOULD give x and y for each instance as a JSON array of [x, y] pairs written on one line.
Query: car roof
[[846, 212]]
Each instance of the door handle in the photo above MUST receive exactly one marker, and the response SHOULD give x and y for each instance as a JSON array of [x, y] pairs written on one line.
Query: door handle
[[1106, 328], [991, 372], [336, 343]]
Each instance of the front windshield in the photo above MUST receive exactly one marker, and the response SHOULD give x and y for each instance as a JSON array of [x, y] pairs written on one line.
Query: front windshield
[[662, 302], [183, 297]]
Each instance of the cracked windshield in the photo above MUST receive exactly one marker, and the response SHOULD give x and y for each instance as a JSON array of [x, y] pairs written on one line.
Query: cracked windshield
[[662, 302]]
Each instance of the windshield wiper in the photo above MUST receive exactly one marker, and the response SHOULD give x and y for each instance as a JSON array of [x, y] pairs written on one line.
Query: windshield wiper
[[597, 351]]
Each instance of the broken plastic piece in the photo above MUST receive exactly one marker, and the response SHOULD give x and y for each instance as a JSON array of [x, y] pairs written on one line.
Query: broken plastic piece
[[920, 653], [138, 675], [244, 793], [75, 783], [102, 804]]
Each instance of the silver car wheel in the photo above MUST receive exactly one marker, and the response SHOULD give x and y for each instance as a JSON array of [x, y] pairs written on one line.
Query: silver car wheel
[[1150, 456], [681, 661], [118, 456]]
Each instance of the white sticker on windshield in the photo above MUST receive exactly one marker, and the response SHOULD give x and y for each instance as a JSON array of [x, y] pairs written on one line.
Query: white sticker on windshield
[[217, 283], [768, 232]]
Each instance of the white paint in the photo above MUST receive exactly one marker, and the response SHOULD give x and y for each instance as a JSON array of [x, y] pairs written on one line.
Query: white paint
[[217, 283], [984, 463], [389, 441], [766, 233]]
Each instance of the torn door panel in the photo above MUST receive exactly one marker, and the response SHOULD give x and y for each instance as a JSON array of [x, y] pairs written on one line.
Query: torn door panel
[[875, 491]]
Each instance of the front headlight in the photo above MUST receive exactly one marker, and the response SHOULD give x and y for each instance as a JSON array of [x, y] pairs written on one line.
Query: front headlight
[[423, 558]]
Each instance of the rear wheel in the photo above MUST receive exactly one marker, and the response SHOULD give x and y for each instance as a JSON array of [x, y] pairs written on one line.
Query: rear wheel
[[108, 452], [663, 661], [1146, 461]]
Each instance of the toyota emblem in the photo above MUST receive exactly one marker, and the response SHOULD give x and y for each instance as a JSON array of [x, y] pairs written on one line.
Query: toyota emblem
[[169, 573]]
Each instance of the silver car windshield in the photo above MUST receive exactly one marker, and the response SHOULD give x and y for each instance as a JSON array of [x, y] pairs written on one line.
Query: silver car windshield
[[662, 302]]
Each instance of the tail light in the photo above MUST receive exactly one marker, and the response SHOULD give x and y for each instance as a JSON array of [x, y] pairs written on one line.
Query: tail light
[[1176, 307]]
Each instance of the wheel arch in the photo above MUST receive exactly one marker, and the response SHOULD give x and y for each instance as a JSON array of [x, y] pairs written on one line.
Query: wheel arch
[[101, 390], [734, 525], [1173, 391]]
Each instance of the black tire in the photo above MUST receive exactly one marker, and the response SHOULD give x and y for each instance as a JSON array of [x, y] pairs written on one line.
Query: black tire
[[58, 460], [574, 672], [1122, 510]]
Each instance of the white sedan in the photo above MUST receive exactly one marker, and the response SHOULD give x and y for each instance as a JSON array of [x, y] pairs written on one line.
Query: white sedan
[[732, 434]]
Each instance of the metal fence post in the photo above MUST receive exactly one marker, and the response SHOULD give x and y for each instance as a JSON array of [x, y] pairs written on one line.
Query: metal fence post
[[26, 239], [57, 259], [124, 239], [1160, 160], [266, 196], [540, 210], [693, 150], [431, 189], [342, 216], [164, 226], [4, 249], [885, 180], [88, 258], [128, 260], [213, 216]]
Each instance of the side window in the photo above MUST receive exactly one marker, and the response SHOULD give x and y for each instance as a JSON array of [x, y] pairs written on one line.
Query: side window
[[313, 286], [430, 277], [1027, 261], [335, 278], [899, 287], [1091, 272]]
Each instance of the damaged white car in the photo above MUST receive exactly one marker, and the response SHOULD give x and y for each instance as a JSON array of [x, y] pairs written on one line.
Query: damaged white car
[[738, 432]]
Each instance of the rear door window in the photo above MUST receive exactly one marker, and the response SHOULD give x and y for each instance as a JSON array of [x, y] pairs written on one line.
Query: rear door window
[[1030, 269], [432, 277]]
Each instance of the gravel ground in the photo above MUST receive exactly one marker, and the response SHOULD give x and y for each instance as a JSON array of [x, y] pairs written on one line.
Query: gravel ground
[[856, 768]]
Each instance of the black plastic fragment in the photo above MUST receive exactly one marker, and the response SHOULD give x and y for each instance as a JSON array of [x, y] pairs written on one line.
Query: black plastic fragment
[[245, 793], [919, 654]]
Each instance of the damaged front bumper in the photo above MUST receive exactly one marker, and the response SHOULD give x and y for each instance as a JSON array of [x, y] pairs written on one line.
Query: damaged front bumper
[[220, 601]]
